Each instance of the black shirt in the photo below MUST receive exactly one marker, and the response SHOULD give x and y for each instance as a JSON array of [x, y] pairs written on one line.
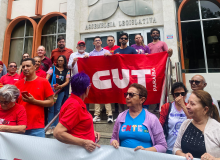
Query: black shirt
[[127, 50], [61, 76], [193, 141]]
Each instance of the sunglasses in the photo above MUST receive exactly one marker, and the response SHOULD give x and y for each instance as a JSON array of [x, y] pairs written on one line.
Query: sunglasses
[[131, 95], [11, 66], [178, 93], [81, 45], [196, 82], [124, 38]]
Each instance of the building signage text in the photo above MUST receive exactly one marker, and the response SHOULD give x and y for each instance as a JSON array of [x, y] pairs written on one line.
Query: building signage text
[[133, 22]]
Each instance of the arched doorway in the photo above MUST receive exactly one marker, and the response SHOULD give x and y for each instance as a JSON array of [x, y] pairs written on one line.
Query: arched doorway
[[19, 38], [49, 28]]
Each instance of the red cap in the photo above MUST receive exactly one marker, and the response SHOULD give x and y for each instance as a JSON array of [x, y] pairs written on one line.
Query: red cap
[[81, 42], [1, 63]]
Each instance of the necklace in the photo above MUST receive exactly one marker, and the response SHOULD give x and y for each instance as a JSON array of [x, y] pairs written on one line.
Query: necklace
[[60, 72]]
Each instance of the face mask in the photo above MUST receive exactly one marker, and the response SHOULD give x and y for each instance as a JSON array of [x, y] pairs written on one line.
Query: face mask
[[81, 50], [155, 37]]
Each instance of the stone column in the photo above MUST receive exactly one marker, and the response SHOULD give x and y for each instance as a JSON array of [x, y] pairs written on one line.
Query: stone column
[[170, 28], [73, 24], [4, 23]]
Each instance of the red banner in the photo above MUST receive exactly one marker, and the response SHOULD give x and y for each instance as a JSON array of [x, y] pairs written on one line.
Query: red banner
[[111, 76]]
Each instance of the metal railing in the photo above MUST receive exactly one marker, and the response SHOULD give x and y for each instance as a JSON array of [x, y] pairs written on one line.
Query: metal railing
[[51, 122], [167, 84], [178, 67]]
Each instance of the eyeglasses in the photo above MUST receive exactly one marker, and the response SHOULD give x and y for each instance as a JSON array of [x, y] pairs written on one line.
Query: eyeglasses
[[12, 66], [131, 95], [124, 38], [178, 93], [196, 82], [4, 102], [98, 40]]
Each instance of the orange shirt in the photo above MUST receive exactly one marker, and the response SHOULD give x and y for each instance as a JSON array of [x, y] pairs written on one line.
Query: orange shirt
[[40, 89], [56, 53]]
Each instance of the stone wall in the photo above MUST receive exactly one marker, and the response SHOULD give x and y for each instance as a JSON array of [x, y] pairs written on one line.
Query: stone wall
[[4, 23]]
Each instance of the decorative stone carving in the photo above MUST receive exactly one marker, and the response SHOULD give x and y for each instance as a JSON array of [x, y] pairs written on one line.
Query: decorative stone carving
[[92, 2], [108, 7]]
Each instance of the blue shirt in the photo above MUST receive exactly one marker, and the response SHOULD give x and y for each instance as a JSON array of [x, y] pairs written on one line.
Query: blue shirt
[[128, 50], [133, 133]]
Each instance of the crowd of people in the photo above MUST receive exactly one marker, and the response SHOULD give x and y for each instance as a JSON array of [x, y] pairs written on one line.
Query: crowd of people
[[31, 96]]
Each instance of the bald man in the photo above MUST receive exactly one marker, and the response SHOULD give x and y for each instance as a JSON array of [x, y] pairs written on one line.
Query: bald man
[[198, 82], [45, 61]]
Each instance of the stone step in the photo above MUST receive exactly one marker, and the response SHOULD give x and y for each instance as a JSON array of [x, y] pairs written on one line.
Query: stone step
[[103, 115], [103, 126], [105, 138]]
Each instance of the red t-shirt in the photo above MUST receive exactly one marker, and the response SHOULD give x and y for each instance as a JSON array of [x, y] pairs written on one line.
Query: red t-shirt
[[111, 50], [75, 117], [40, 89], [14, 116], [39, 73], [9, 79], [56, 53]]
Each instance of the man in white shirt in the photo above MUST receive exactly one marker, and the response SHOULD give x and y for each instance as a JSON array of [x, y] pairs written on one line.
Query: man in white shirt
[[198, 82], [72, 64], [81, 47]]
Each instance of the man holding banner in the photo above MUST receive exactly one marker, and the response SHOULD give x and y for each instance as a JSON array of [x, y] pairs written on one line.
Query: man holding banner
[[111, 47], [99, 51], [124, 49], [158, 46]]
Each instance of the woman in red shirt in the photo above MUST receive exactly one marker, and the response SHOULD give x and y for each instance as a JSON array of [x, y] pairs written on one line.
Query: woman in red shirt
[[13, 117], [75, 122]]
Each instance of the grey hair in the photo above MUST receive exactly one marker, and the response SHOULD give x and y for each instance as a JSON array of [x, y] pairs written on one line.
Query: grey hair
[[10, 93], [42, 47]]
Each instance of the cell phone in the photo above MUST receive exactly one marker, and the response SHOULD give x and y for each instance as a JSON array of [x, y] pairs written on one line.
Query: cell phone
[[25, 93], [55, 85]]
